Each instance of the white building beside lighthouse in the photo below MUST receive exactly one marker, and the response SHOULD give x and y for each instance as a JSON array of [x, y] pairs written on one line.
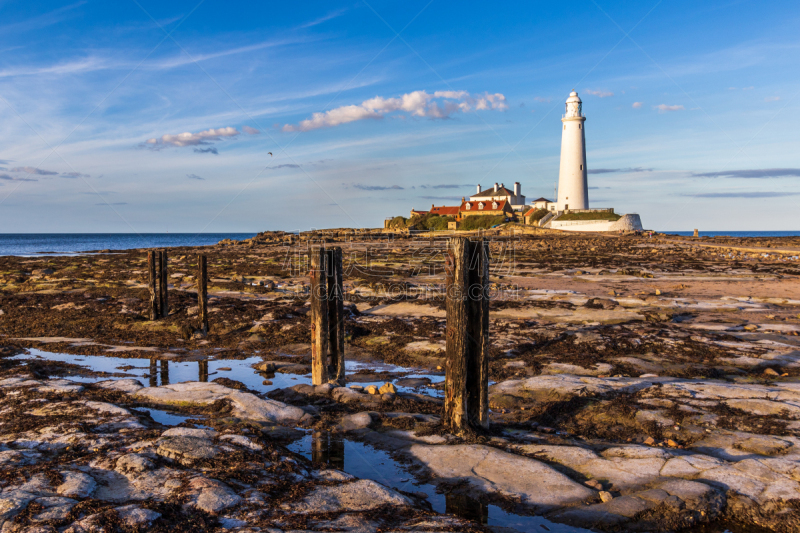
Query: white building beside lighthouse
[[573, 187]]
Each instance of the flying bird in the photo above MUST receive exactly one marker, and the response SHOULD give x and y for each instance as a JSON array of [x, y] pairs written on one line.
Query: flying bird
[[270, 153]]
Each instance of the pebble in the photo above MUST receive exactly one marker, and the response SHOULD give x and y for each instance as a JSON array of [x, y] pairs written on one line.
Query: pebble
[[606, 496]]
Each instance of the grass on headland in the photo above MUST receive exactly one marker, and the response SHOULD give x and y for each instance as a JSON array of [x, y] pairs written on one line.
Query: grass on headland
[[595, 215], [480, 222]]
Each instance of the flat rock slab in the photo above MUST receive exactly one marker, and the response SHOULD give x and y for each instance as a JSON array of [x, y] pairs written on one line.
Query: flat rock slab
[[554, 387], [187, 449], [245, 405], [362, 495], [493, 471]]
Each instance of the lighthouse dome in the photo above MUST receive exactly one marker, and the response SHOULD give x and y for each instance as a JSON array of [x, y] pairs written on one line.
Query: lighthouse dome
[[574, 98]]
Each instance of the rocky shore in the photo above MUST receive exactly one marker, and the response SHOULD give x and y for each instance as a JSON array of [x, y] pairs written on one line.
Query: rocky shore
[[638, 384]]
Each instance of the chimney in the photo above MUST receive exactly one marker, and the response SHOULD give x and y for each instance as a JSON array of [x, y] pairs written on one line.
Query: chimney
[[479, 189], [516, 188], [495, 187], [463, 199]]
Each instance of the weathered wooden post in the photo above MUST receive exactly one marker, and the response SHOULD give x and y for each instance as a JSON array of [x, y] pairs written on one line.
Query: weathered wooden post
[[152, 284], [335, 296], [319, 316], [164, 365], [696, 232], [154, 372], [466, 404], [202, 293], [164, 284]]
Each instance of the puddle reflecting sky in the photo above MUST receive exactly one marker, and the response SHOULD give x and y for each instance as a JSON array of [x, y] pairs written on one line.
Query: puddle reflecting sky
[[363, 461], [156, 372]]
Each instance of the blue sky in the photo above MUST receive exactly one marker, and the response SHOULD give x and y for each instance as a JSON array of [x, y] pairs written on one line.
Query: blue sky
[[160, 116]]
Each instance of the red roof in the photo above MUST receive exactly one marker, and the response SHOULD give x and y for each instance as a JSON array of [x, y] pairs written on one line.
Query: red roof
[[487, 206], [530, 211], [444, 211]]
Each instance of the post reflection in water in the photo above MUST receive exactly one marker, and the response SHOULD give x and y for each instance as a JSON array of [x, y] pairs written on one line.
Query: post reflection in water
[[164, 372], [466, 507], [202, 371], [154, 372], [328, 449]]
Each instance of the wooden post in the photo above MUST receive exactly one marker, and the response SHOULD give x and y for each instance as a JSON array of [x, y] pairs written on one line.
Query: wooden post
[[164, 285], [467, 338], [154, 372], [319, 316], [335, 292], [696, 232], [202, 293], [152, 284]]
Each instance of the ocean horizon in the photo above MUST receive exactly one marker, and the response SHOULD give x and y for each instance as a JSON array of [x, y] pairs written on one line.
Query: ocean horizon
[[73, 243]]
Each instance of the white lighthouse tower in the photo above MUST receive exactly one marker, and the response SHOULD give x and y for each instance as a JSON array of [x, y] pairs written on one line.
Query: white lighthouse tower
[[573, 189]]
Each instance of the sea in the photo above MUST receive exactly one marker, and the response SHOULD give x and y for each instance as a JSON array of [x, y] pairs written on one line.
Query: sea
[[32, 244], [736, 233]]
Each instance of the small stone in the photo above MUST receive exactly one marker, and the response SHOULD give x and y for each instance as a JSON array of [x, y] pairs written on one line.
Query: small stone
[[439, 367], [224, 369], [672, 444], [770, 372], [606, 496], [372, 389], [751, 327], [594, 484], [649, 441], [658, 292], [356, 421], [388, 388], [266, 382]]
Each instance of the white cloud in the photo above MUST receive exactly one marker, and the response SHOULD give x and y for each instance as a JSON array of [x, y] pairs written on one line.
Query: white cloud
[[191, 139], [440, 104], [663, 108], [600, 94], [637, 105], [772, 98]]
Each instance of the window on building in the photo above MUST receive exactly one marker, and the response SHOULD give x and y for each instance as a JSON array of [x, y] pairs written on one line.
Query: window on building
[[494, 205], [468, 207], [480, 205], [581, 167]]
